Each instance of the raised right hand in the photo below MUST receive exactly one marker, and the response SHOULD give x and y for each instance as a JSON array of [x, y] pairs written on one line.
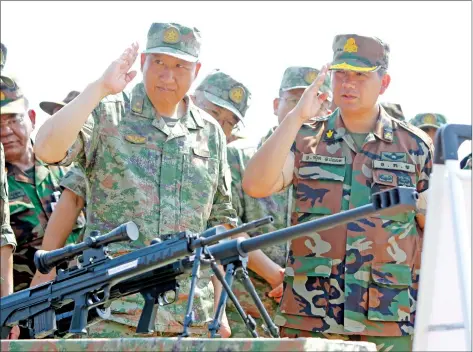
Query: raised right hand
[[311, 102], [116, 76]]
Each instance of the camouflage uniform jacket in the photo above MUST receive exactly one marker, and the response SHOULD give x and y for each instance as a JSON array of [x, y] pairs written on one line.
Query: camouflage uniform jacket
[[32, 202], [7, 236], [248, 209], [165, 180], [360, 278]]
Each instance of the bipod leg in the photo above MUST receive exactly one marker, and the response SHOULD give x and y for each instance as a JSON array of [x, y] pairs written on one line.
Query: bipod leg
[[243, 277], [189, 317], [248, 319]]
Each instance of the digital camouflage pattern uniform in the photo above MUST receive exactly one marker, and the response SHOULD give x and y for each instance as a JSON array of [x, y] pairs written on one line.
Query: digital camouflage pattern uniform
[[32, 197], [164, 179], [428, 120], [394, 110], [356, 281]]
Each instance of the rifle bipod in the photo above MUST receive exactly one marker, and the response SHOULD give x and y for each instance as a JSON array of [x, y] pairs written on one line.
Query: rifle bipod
[[237, 266]]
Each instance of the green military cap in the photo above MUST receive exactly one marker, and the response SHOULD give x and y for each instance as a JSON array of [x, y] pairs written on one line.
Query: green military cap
[[3, 55], [12, 100], [226, 92], [175, 40], [352, 52], [427, 120], [49, 106], [301, 77], [394, 110]]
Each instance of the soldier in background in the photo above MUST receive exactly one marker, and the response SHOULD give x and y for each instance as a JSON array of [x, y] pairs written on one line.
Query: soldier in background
[[71, 204], [228, 100], [429, 123], [34, 188]]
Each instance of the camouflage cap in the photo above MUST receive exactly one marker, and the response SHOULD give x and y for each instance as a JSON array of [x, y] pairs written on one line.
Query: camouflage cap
[[175, 40], [427, 120], [353, 52], [12, 100], [394, 110], [3, 55], [224, 91], [49, 106], [301, 77]]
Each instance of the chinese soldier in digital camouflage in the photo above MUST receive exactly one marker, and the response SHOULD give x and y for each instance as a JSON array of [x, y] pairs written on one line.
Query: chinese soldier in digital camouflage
[[356, 281], [228, 100], [33, 186], [152, 157], [71, 203]]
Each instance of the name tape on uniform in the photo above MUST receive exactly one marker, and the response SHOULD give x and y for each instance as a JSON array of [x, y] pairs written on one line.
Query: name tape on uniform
[[323, 159], [392, 165]]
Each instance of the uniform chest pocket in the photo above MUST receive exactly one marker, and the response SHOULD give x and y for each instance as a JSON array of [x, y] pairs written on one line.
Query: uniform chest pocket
[[319, 188], [388, 292], [198, 186], [307, 286], [384, 179]]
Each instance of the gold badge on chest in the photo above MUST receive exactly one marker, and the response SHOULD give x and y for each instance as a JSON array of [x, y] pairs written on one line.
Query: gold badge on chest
[[136, 139]]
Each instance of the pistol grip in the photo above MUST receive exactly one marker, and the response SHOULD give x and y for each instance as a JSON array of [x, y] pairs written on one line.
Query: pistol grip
[[148, 315], [79, 317]]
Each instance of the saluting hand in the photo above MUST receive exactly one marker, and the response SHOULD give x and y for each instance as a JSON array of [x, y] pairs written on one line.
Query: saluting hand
[[116, 76], [311, 102]]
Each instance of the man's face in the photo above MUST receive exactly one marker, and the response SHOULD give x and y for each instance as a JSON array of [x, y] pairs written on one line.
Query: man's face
[[357, 91], [226, 119], [167, 79], [288, 100], [15, 131], [430, 131]]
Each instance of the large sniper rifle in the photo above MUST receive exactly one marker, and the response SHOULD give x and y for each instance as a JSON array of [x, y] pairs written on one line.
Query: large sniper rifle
[[80, 294]]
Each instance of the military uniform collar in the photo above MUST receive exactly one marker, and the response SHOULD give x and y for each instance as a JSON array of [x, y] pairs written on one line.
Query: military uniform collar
[[336, 127], [141, 105]]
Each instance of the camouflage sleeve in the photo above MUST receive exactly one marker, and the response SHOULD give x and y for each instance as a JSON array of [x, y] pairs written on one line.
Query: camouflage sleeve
[[222, 211], [7, 235], [75, 181], [423, 181], [237, 190], [83, 145]]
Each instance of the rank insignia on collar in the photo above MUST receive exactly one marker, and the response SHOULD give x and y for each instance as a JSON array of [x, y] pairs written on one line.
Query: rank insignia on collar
[[329, 135], [133, 138], [388, 135]]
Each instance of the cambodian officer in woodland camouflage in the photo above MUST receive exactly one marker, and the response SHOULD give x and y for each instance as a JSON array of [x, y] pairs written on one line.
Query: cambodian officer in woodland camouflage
[[357, 281], [154, 158]]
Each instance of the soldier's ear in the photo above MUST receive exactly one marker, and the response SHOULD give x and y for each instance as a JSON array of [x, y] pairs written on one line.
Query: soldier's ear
[[275, 106], [197, 69], [32, 116], [385, 83], [143, 59]]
